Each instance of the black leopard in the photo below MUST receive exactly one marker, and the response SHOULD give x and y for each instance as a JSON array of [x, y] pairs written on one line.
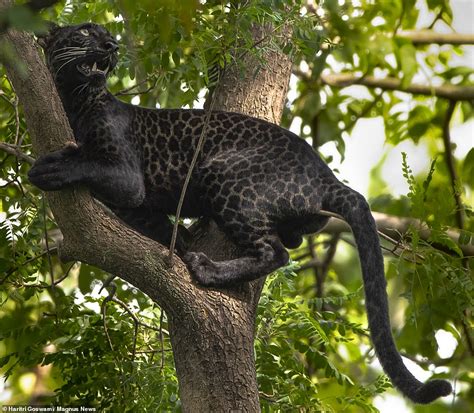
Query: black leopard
[[263, 185]]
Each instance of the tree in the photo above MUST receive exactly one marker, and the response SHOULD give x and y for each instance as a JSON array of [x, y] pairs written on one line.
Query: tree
[[302, 332]]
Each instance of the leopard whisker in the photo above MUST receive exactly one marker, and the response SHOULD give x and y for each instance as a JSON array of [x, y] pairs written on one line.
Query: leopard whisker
[[65, 55], [70, 51], [70, 48], [82, 87], [64, 64]]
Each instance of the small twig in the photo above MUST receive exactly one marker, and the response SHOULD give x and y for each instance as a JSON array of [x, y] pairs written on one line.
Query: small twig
[[450, 163], [50, 262], [8, 183], [17, 121], [397, 254], [362, 114], [437, 17], [302, 252], [268, 397], [327, 261], [313, 262], [10, 272], [58, 281], [135, 318], [301, 256], [320, 267], [136, 321], [104, 312], [5, 98], [47, 314], [61, 279], [108, 282], [162, 343], [399, 245], [152, 351], [126, 91], [15, 151], [399, 20], [135, 336], [436, 361]]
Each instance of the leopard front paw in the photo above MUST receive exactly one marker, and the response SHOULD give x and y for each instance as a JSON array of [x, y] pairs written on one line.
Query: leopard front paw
[[202, 269], [53, 171], [48, 176]]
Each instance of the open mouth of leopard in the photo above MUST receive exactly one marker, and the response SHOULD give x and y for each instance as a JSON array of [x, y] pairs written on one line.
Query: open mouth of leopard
[[100, 67]]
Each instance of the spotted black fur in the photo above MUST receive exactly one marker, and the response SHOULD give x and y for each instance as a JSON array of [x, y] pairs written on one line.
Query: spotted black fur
[[262, 184]]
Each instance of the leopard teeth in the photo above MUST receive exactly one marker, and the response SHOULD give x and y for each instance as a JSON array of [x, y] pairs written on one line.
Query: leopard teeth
[[94, 68]]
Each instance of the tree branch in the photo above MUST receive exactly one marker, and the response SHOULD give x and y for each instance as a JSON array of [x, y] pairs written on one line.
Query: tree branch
[[15, 151], [450, 164], [389, 83], [423, 37], [395, 227], [321, 268]]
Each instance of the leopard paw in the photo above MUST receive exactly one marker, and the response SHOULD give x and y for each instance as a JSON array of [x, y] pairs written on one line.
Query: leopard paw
[[202, 269], [53, 171]]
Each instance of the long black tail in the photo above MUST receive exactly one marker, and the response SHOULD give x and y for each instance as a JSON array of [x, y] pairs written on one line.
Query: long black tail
[[355, 210]]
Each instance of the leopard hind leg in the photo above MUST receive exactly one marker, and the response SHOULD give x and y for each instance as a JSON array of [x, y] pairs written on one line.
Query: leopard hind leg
[[262, 250], [267, 255], [291, 230]]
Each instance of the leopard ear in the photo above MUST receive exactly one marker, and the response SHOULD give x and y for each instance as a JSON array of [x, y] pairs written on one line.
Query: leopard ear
[[44, 37]]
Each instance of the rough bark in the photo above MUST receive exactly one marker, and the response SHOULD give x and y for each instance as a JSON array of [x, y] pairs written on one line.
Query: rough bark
[[211, 331], [257, 91]]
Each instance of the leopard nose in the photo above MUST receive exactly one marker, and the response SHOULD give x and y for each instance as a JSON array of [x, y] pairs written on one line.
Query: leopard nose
[[111, 45]]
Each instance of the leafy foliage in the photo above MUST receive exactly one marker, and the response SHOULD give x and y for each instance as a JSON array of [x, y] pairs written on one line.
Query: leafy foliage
[[313, 352]]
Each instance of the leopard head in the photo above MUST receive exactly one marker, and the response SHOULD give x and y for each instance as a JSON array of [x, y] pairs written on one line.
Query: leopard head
[[79, 57]]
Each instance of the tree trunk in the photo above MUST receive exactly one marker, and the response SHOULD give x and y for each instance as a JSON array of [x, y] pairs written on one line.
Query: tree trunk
[[211, 331], [214, 357]]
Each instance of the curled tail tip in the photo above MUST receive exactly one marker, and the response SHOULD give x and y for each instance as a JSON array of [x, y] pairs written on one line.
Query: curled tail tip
[[430, 391]]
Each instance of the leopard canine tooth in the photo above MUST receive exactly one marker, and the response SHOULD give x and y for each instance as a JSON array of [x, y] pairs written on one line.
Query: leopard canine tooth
[[94, 68]]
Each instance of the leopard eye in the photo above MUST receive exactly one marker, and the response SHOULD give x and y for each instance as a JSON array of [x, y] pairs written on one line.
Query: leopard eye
[[84, 32]]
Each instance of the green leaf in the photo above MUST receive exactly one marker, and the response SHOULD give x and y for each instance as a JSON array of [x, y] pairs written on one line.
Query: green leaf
[[465, 237], [408, 63], [4, 360], [23, 18], [443, 239], [468, 169]]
